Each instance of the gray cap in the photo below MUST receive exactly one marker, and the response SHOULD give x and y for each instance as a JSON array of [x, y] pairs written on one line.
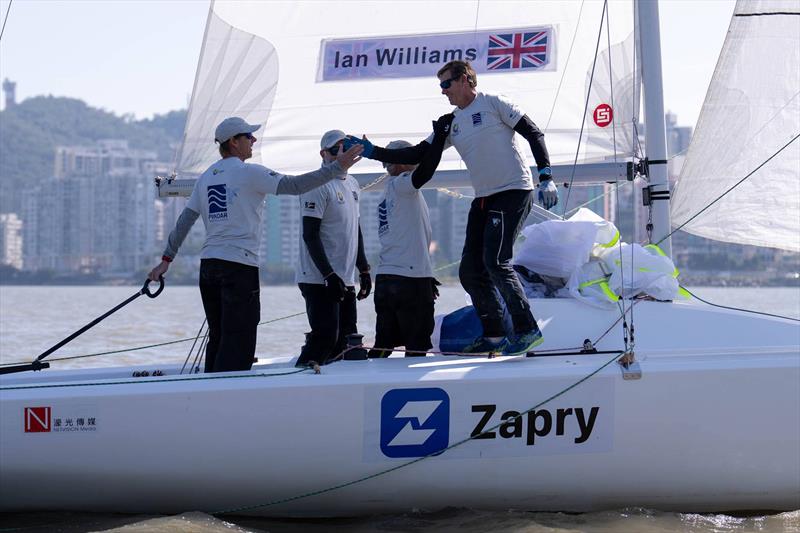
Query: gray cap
[[394, 145], [330, 138], [232, 126]]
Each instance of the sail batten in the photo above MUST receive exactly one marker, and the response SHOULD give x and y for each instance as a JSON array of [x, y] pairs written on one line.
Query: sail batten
[[751, 111]]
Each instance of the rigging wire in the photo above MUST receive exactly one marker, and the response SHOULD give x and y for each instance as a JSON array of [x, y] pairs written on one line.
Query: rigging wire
[[197, 337], [739, 308], [2, 31], [586, 104], [626, 333]]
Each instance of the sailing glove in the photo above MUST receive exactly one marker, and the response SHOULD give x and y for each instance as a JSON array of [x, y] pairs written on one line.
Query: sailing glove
[[334, 286], [435, 287], [441, 126], [351, 141], [365, 285], [547, 192]]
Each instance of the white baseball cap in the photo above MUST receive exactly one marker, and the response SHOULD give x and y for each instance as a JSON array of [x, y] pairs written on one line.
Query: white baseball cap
[[331, 138], [394, 145], [231, 127]]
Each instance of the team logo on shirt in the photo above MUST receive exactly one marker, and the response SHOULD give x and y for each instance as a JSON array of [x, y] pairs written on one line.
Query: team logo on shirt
[[383, 218], [340, 197], [310, 205], [455, 130], [476, 119], [217, 202]]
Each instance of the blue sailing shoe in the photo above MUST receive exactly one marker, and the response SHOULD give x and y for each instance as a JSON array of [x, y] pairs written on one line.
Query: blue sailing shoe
[[483, 346], [522, 343]]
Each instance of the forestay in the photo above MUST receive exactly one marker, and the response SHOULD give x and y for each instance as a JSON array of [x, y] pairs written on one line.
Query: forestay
[[302, 68], [751, 111]]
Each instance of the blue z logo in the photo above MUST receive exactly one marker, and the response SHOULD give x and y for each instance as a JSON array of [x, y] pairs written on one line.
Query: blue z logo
[[414, 422]]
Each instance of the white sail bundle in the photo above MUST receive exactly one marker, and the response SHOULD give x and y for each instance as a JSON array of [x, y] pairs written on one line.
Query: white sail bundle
[[751, 111], [367, 67]]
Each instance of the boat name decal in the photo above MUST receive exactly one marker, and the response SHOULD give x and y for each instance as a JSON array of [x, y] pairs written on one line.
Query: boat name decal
[[536, 423]]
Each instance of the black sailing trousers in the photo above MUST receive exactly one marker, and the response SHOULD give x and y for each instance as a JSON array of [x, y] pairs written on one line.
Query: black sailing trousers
[[231, 299], [331, 322], [404, 314], [493, 224]]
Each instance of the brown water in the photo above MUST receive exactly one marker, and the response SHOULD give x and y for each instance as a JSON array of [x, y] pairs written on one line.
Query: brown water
[[34, 318], [455, 520]]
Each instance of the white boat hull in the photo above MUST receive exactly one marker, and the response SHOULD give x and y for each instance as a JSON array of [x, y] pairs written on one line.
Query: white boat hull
[[712, 425]]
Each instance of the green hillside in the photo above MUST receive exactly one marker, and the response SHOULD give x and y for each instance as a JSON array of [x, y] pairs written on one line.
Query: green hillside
[[30, 131]]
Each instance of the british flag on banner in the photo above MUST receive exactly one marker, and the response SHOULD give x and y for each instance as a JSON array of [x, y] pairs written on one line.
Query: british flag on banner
[[518, 50]]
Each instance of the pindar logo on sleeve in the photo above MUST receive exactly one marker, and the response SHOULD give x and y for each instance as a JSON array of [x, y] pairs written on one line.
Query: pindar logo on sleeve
[[414, 422], [217, 202]]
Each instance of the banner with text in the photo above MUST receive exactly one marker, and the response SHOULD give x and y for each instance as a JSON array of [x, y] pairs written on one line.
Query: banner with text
[[410, 56]]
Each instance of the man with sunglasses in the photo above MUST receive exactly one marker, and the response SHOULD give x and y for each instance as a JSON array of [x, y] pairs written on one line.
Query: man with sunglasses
[[331, 249], [483, 133], [230, 198]]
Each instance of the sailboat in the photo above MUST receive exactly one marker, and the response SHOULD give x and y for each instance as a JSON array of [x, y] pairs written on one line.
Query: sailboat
[[699, 411]]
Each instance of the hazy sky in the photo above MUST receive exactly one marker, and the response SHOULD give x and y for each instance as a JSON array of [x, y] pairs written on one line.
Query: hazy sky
[[140, 56]]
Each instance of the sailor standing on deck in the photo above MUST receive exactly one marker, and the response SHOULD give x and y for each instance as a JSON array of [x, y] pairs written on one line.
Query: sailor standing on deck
[[405, 288], [331, 249], [230, 198], [483, 133]]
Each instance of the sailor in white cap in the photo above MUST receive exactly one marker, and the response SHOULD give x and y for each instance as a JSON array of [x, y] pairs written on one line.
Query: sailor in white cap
[[405, 288], [229, 196], [331, 255]]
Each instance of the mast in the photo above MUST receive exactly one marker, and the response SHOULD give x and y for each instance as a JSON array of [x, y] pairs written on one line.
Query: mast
[[655, 131]]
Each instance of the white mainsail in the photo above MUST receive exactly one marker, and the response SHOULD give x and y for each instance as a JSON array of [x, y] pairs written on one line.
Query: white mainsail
[[255, 52], [751, 111]]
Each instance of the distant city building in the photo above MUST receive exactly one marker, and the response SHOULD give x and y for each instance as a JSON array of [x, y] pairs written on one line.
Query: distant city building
[[678, 137], [98, 214], [280, 238], [10, 240], [109, 157]]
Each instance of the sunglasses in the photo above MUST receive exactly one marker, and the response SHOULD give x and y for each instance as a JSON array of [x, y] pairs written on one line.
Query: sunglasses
[[249, 136], [333, 150], [445, 84]]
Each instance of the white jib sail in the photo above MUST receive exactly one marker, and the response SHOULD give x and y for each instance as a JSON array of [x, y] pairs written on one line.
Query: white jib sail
[[751, 111], [366, 67]]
